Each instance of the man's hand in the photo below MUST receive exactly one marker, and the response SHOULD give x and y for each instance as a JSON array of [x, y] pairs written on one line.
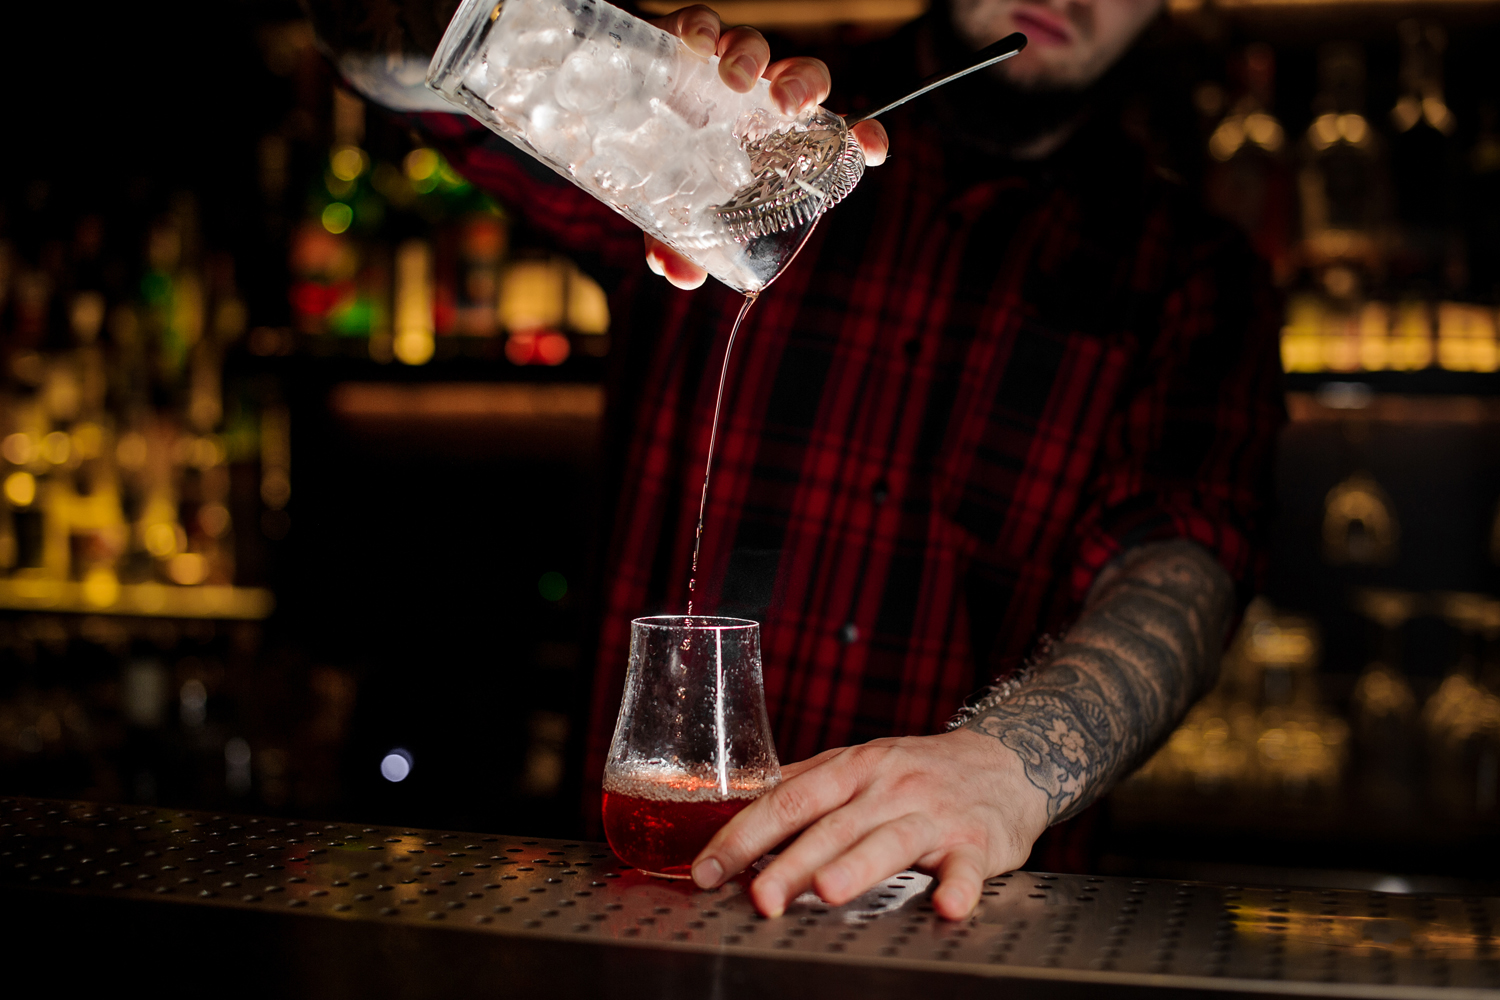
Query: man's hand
[[744, 57], [958, 805], [969, 804]]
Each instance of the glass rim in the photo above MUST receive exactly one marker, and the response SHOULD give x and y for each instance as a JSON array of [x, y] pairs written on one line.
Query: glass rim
[[687, 623]]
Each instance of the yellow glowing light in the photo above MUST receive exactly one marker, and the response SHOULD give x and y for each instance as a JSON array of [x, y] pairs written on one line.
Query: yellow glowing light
[[1438, 115], [1374, 339], [1411, 337], [188, 569], [588, 306], [413, 343], [421, 163], [161, 539], [1301, 352], [131, 452], [1353, 128], [413, 347], [1324, 131], [1406, 113], [348, 162], [1264, 131], [88, 440], [207, 452], [18, 449], [337, 217], [20, 488], [532, 295], [1227, 138], [56, 447], [101, 587], [1466, 338]]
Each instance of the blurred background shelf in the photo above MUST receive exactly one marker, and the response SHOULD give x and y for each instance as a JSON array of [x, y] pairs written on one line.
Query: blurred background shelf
[[105, 595]]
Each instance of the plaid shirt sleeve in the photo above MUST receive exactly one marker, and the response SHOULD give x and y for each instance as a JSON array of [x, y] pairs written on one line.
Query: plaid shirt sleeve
[[564, 214], [1188, 452]]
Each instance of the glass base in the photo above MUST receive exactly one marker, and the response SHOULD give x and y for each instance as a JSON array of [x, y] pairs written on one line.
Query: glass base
[[681, 872]]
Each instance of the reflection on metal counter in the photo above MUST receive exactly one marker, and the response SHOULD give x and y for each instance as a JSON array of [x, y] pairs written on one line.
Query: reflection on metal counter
[[1032, 932]]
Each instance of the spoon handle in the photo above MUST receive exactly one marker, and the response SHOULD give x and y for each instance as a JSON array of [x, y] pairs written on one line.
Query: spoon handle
[[997, 52]]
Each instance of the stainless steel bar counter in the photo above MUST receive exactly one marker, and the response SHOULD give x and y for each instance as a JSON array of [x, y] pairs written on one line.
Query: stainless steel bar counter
[[188, 903]]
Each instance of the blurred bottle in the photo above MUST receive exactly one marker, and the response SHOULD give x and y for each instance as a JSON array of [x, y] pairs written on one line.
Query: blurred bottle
[[340, 270], [1461, 719], [1343, 182], [1427, 256], [482, 246], [1383, 707], [1249, 180]]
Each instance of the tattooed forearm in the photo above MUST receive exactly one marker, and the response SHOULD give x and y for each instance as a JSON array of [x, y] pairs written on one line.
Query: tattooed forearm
[[1145, 648]]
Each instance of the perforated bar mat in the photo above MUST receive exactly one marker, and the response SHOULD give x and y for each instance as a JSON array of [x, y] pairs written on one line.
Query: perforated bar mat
[[561, 898]]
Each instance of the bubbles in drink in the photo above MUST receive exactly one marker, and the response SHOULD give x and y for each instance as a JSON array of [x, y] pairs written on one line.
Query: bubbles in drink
[[658, 819]]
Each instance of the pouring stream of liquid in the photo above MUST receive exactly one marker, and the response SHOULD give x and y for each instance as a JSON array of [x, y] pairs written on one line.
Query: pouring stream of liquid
[[713, 434]]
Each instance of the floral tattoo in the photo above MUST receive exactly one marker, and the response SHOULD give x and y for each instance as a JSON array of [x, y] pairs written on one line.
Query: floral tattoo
[[1145, 648]]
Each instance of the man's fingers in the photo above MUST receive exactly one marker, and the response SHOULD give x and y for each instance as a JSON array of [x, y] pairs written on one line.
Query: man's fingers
[[744, 55], [797, 767], [772, 818], [698, 26], [873, 140], [960, 880], [884, 851], [798, 83], [677, 269], [793, 871]]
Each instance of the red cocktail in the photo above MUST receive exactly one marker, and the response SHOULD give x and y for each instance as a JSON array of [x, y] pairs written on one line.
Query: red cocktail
[[660, 827]]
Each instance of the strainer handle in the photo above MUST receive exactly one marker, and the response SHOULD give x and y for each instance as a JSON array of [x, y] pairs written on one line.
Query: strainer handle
[[991, 54]]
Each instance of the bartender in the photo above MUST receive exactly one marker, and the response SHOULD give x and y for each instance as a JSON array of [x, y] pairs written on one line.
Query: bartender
[[1005, 426]]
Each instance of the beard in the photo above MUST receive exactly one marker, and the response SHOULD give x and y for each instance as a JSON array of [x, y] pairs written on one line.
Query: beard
[[994, 115]]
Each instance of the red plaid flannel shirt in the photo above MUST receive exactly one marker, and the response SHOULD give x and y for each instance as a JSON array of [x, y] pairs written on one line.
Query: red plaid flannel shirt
[[976, 385]]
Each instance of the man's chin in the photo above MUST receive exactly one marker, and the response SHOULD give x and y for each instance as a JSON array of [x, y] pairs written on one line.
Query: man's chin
[[1044, 79]]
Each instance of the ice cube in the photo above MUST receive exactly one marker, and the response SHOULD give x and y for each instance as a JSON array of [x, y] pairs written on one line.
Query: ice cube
[[611, 176], [517, 90], [659, 139], [625, 117], [656, 64], [562, 134], [668, 180], [726, 159], [593, 78], [542, 48], [533, 15]]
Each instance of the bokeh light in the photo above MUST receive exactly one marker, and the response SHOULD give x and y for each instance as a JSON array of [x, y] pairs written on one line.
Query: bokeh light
[[348, 162], [337, 217], [553, 586], [396, 765], [421, 163], [20, 488], [18, 449]]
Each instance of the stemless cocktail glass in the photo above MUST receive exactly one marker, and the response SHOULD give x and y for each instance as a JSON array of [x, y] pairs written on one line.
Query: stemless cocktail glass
[[692, 745]]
